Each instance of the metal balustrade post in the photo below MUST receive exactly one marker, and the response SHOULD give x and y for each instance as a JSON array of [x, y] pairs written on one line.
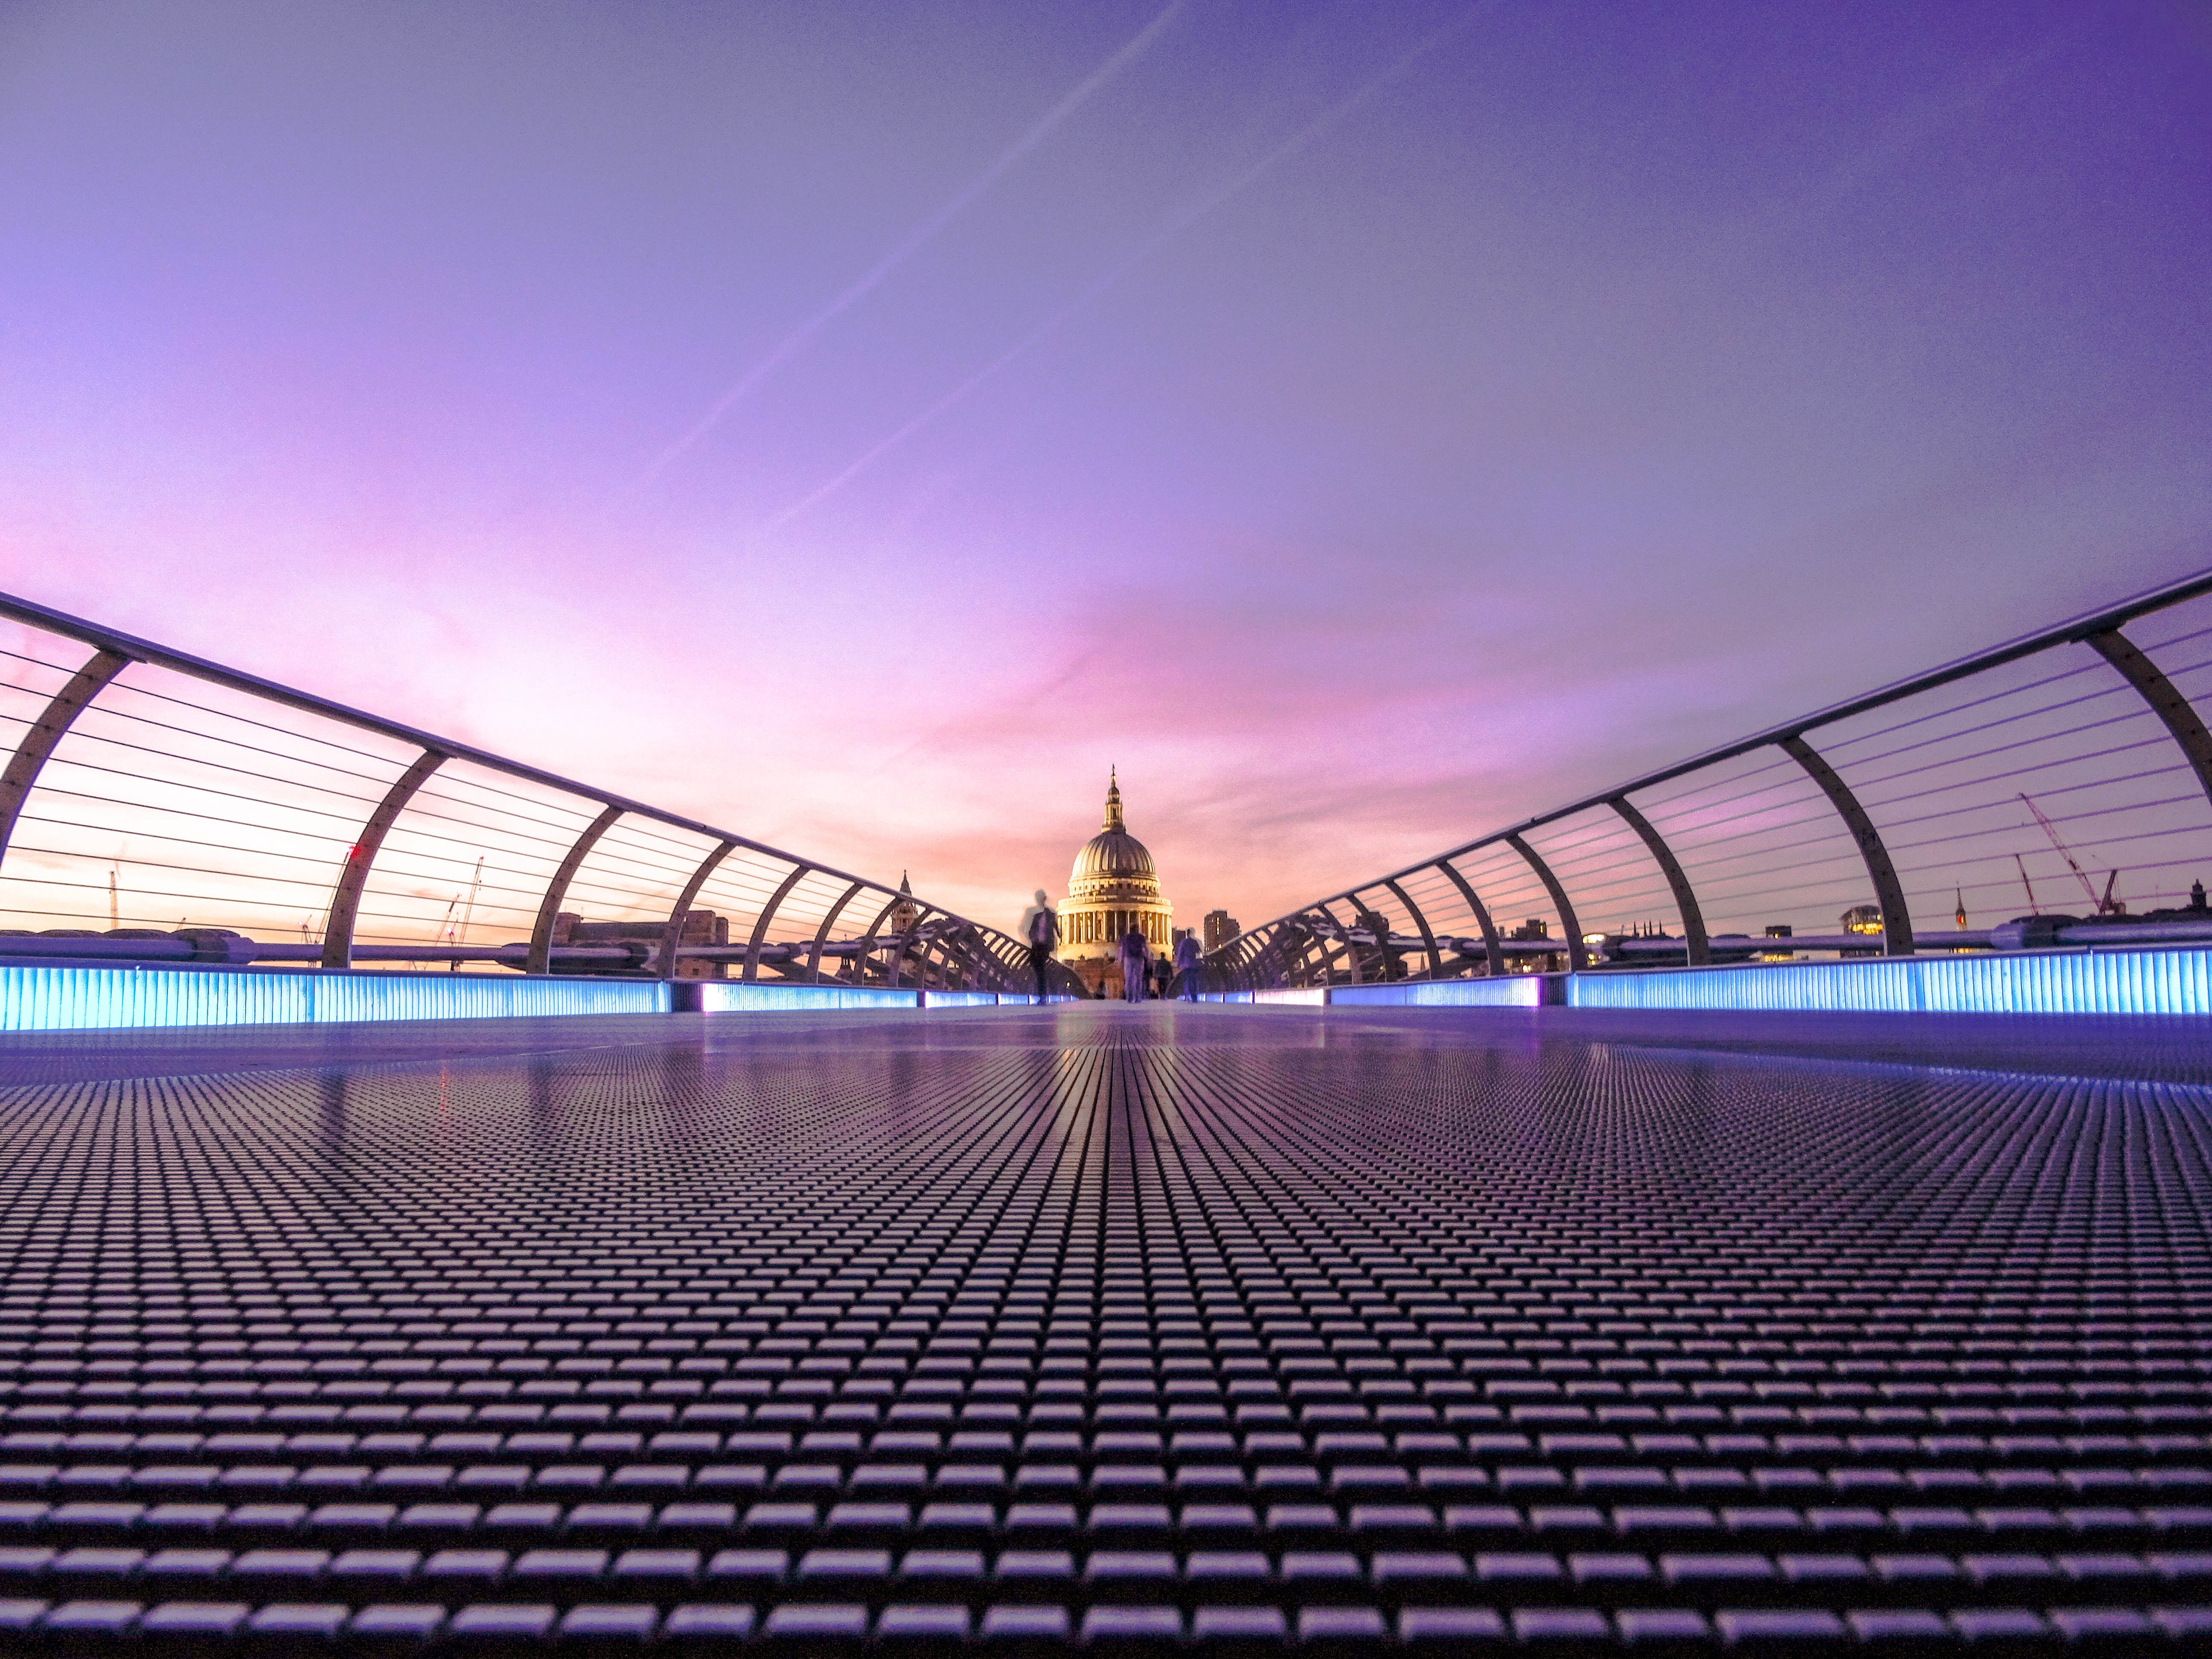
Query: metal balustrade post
[[1388, 963], [1577, 952], [540, 958], [1428, 938], [905, 942], [1356, 969], [975, 953], [766, 916], [2173, 710], [1491, 947], [822, 933], [664, 965], [929, 961], [957, 962], [1888, 892], [962, 959], [1698, 948], [1332, 939], [345, 901], [859, 959], [42, 735], [989, 970], [1329, 934]]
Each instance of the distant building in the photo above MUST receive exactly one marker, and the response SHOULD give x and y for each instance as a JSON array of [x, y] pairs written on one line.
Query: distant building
[[1536, 927], [700, 927], [1220, 928], [1113, 887], [906, 912]]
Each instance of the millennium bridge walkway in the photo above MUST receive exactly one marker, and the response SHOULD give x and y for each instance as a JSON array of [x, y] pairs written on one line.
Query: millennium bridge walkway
[[1143, 1327], [450, 1207]]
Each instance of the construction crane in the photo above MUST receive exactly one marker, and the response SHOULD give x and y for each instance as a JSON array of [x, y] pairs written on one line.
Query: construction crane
[[2106, 906], [469, 910]]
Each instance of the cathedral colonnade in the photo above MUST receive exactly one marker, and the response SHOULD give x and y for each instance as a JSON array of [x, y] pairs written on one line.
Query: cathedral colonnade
[[1113, 887]]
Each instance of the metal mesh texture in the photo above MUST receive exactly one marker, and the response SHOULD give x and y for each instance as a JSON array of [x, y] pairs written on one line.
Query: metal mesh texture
[[1144, 1326]]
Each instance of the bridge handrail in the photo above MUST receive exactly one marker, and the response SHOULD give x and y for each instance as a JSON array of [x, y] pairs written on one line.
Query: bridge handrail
[[1237, 964], [960, 952]]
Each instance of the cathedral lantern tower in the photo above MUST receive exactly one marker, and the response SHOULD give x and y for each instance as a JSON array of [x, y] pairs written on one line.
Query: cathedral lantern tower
[[1113, 886]]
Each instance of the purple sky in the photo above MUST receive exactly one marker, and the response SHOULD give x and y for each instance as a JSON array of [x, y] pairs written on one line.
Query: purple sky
[[859, 426]]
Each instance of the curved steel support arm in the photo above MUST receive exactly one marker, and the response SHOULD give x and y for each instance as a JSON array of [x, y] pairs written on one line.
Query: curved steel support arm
[[1490, 944], [1577, 952], [904, 943], [956, 962], [985, 971], [2180, 719], [540, 959], [1700, 949], [1889, 891], [822, 933], [1428, 937], [53, 724], [1388, 963], [859, 961], [664, 962], [767, 915], [345, 901], [1342, 934]]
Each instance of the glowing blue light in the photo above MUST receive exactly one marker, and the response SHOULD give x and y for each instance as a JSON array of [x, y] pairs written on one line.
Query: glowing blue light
[[1516, 991], [2029, 982], [718, 997], [42, 999]]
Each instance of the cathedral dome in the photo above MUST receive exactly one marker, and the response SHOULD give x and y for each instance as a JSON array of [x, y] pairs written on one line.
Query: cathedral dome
[[1112, 855], [1114, 860], [1113, 887]]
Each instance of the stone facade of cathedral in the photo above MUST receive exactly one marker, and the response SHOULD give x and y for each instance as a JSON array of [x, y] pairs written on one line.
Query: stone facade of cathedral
[[1113, 886]]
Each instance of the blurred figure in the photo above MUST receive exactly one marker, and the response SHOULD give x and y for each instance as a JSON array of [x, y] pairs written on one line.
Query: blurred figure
[[1186, 962], [1136, 964], [1041, 932]]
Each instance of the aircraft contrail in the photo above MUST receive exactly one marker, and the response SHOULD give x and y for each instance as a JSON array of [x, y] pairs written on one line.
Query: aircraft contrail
[[796, 341], [1173, 225]]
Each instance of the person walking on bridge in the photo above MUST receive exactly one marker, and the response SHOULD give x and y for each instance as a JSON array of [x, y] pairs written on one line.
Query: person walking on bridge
[[1186, 962], [1136, 963], [1041, 932]]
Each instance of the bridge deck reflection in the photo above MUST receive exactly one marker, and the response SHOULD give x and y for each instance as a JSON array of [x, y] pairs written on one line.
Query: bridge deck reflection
[[1155, 1324]]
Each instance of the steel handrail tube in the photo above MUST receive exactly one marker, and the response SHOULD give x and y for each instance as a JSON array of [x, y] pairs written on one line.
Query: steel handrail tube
[[131, 648], [2084, 629]]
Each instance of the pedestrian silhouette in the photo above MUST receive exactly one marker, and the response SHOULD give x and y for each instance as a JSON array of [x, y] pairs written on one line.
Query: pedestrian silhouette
[[1136, 963], [1041, 932], [1186, 962]]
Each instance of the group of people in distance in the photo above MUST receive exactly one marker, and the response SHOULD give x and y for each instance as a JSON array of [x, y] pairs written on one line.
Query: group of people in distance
[[1142, 974]]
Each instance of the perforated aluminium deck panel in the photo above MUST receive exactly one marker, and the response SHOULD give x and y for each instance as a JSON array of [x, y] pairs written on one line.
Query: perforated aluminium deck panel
[[1226, 1327]]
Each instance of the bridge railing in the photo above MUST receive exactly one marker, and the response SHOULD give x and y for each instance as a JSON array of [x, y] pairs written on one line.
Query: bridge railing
[[156, 807], [2037, 789]]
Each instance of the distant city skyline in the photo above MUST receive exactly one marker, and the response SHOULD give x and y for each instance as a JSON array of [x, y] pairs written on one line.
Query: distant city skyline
[[865, 428]]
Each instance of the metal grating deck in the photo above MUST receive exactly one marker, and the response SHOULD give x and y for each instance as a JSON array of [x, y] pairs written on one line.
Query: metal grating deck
[[1224, 1328]]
